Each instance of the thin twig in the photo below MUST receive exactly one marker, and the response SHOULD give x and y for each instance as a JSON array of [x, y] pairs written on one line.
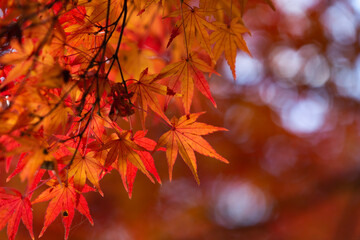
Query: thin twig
[[183, 23]]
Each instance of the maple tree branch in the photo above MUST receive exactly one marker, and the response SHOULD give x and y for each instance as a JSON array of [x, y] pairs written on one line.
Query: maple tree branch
[[182, 2], [104, 50], [122, 76], [80, 136], [122, 29], [115, 55]]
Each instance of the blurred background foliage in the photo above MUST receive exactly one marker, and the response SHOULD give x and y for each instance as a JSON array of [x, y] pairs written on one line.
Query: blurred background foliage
[[293, 115]]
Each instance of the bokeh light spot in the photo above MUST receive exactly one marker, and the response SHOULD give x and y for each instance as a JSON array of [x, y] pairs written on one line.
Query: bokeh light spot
[[240, 203], [295, 7], [340, 23], [317, 71], [347, 80], [305, 115], [286, 62]]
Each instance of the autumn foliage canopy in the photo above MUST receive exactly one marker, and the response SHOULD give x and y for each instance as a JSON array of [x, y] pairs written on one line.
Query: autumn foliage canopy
[[83, 82]]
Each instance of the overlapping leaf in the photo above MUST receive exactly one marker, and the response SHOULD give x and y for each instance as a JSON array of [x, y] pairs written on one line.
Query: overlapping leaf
[[186, 73], [85, 167], [146, 92], [21, 58], [185, 138], [30, 162], [196, 25], [128, 153]]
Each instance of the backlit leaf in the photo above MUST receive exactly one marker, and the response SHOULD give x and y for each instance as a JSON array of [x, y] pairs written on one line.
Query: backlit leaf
[[185, 138], [13, 208], [64, 199], [228, 39], [184, 75]]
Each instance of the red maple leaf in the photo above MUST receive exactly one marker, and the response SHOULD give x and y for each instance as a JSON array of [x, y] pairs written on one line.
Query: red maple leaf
[[130, 153], [13, 207], [63, 198]]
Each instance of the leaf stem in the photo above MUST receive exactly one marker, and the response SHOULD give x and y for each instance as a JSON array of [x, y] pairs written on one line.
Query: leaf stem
[[182, 18]]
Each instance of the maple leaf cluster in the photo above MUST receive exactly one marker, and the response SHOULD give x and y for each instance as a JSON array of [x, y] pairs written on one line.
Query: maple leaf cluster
[[80, 82]]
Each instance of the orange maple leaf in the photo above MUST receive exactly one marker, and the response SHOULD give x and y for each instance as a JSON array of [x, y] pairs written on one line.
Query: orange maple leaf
[[64, 198], [57, 114], [187, 72], [228, 38], [146, 90], [85, 167], [185, 138], [21, 58], [13, 207], [37, 154], [125, 151], [196, 25]]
